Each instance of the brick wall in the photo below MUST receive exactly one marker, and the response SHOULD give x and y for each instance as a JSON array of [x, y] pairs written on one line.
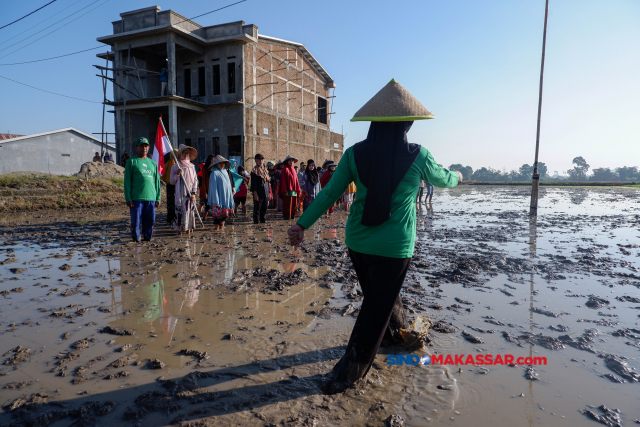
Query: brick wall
[[280, 93]]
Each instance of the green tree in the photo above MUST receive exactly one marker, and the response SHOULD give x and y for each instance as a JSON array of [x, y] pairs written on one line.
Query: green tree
[[542, 169], [466, 171], [487, 174], [628, 173], [579, 172], [604, 175]]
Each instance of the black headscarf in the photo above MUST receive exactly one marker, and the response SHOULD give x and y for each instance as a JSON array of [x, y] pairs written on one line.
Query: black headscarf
[[312, 175], [386, 144], [207, 162]]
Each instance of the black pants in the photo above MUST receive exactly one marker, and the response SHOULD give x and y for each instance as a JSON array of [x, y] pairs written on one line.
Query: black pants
[[171, 203], [381, 314], [260, 210]]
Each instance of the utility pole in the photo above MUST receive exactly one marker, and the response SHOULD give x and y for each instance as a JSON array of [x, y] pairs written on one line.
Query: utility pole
[[535, 180]]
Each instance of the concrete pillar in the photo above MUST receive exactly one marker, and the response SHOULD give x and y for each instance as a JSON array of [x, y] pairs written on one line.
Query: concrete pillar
[[171, 63], [121, 145], [173, 124]]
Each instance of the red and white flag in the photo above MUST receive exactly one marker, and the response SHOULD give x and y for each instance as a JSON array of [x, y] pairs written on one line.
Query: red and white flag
[[162, 147]]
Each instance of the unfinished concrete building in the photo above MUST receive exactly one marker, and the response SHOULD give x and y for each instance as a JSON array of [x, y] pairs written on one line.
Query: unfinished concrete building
[[230, 90]]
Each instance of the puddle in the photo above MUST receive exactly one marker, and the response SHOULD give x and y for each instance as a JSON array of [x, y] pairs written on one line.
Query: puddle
[[261, 323]]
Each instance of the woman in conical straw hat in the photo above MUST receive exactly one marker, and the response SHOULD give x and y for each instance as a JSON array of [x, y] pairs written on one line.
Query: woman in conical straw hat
[[185, 195], [220, 195], [381, 227]]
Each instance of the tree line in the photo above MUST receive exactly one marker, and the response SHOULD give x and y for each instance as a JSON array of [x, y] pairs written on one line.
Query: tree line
[[578, 173]]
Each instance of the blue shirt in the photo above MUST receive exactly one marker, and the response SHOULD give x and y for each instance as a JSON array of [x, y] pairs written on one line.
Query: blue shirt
[[164, 76]]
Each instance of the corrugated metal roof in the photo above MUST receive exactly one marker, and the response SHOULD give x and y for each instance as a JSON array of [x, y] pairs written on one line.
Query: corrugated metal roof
[[4, 136], [21, 137]]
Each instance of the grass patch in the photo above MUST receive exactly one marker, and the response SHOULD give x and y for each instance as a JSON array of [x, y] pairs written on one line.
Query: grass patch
[[118, 181]]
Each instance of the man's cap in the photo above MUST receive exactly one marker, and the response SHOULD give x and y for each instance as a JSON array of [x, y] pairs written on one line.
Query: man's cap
[[142, 140], [303, 164], [259, 156], [393, 103], [270, 164]]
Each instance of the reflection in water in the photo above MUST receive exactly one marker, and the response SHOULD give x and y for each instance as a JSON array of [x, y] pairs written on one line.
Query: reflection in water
[[578, 195], [533, 240]]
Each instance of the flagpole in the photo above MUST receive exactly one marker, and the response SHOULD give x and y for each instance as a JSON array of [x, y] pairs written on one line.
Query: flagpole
[[535, 179], [181, 176]]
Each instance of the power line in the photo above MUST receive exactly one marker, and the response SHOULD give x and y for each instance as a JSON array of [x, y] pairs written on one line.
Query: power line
[[54, 93], [51, 32], [44, 20], [20, 19], [55, 57], [224, 7]]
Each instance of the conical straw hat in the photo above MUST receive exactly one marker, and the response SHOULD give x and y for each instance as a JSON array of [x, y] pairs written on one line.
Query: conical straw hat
[[392, 104]]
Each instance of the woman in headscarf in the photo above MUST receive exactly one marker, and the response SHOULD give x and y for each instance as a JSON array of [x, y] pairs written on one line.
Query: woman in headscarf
[[326, 177], [220, 192], [276, 195], [261, 181], [272, 179], [289, 188], [185, 195], [381, 227], [310, 183]]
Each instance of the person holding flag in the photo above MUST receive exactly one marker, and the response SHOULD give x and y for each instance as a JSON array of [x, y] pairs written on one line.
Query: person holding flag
[[142, 191]]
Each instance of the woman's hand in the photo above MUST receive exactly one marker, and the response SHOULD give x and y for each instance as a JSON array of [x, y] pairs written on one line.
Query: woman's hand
[[296, 235], [193, 197], [179, 172], [459, 177]]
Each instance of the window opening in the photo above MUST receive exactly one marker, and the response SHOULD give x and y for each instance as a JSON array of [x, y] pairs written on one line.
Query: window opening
[[187, 82], [216, 79], [231, 77]]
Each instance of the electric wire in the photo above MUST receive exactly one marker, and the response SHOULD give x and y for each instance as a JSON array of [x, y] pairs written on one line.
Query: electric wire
[[31, 13], [51, 32], [44, 20], [55, 57], [224, 7], [48, 91]]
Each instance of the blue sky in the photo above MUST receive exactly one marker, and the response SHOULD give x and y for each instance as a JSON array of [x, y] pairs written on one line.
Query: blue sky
[[475, 65]]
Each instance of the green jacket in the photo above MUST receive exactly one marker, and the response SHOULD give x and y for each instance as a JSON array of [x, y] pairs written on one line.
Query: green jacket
[[141, 180], [394, 238]]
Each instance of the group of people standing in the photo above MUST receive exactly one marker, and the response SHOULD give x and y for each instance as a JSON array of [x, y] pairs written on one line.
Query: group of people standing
[[281, 186]]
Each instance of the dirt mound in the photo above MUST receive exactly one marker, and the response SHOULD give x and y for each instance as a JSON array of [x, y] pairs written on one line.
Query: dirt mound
[[101, 170]]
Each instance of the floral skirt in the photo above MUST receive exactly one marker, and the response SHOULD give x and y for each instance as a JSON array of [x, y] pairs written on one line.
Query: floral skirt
[[220, 213], [185, 218]]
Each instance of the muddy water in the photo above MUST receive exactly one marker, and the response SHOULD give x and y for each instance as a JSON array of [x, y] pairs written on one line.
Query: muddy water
[[267, 354]]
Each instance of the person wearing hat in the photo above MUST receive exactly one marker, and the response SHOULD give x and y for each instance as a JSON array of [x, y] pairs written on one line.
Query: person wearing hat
[[260, 189], [326, 177], [289, 188], [323, 169], [381, 226], [220, 195], [142, 191], [185, 191]]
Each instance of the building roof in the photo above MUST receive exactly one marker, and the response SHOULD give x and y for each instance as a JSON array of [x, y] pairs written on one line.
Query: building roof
[[169, 20], [4, 136], [51, 132], [306, 54]]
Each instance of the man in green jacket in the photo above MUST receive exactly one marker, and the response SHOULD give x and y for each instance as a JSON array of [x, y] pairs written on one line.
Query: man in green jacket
[[142, 191], [381, 227]]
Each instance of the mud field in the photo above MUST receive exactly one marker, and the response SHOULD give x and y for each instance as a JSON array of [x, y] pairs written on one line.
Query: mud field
[[237, 328]]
